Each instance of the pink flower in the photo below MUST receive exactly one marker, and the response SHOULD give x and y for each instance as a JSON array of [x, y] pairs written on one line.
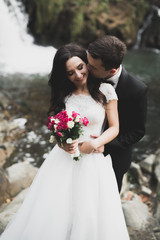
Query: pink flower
[[64, 126], [58, 116], [50, 118], [59, 134], [59, 127], [74, 114], [65, 119], [48, 121], [53, 122], [85, 121], [50, 126], [80, 120], [64, 113]]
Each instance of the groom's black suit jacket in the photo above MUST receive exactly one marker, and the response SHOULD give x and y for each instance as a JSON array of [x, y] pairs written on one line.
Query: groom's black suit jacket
[[132, 108]]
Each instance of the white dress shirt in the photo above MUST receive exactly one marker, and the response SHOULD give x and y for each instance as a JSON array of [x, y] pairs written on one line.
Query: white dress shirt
[[115, 77]]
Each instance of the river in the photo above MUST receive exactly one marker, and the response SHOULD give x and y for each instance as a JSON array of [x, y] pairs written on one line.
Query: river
[[145, 65]]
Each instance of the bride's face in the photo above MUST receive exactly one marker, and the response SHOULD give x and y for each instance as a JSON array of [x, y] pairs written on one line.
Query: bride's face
[[77, 71]]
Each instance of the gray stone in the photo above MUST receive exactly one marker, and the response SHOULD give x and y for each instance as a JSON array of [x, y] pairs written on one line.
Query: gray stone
[[8, 126], [137, 172], [3, 156], [148, 163], [4, 126], [4, 100], [157, 214], [125, 185], [157, 174], [20, 176], [9, 210], [3, 186], [136, 213], [5, 152], [157, 167], [158, 155], [9, 148], [146, 190]]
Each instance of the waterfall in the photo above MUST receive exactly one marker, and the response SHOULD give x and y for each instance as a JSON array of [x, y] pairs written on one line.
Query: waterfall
[[141, 30], [18, 53], [146, 25]]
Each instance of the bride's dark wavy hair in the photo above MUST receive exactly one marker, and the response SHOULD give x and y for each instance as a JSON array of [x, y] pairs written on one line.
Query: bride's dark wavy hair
[[61, 86]]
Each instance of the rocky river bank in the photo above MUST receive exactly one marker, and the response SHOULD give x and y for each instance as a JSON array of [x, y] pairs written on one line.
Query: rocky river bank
[[141, 187]]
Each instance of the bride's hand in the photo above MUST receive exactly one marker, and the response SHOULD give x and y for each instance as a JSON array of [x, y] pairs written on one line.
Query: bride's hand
[[70, 148], [87, 146]]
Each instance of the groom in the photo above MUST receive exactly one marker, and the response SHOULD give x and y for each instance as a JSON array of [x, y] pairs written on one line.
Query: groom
[[105, 56]]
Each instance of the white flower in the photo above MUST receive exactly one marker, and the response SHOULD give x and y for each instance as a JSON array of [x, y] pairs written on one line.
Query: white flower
[[52, 139], [70, 124], [55, 127], [56, 120], [69, 113], [69, 140], [77, 118]]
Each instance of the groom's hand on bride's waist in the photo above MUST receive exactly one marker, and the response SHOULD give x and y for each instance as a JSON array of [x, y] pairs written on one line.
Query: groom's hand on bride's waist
[[99, 149], [90, 146]]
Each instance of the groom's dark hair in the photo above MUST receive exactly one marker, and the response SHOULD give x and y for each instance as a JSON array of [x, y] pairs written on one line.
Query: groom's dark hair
[[109, 49]]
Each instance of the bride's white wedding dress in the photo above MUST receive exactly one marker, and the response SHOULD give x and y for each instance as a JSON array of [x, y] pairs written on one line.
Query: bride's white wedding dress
[[73, 200]]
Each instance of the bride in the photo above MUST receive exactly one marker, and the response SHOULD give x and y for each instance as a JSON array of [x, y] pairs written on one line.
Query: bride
[[75, 200]]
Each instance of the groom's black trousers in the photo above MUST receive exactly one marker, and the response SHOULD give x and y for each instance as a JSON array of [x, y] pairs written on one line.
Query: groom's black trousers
[[121, 161]]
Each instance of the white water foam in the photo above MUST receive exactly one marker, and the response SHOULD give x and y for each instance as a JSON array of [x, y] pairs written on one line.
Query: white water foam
[[18, 53], [143, 28]]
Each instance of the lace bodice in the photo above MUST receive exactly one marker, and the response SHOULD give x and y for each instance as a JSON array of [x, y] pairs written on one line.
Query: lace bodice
[[86, 106]]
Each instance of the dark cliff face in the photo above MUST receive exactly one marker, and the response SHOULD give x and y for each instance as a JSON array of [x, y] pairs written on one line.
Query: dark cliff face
[[151, 35], [55, 22]]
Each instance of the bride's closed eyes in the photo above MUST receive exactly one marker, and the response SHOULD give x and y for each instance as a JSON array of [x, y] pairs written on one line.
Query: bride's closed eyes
[[79, 67], [76, 71]]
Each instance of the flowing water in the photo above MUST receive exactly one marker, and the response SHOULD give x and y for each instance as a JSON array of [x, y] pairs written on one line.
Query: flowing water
[[146, 65], [24, 69], [18, 53]]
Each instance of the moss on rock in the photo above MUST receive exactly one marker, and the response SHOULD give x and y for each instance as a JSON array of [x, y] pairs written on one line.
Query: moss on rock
[[56, 22]]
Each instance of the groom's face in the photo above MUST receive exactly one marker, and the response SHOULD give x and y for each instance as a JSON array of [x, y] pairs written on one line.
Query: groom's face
[[96, 68]]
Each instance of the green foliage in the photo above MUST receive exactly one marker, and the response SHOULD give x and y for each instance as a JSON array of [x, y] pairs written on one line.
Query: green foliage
[[45, 15], [77, 26], [81, 2], [48, 10], [64, 21], [103, 7]]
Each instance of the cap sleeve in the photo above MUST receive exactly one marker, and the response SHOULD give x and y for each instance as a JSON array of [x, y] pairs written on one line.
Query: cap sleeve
[[109, 91]]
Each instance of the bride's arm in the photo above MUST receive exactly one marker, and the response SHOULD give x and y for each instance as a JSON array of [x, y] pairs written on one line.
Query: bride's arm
[[109, 134]]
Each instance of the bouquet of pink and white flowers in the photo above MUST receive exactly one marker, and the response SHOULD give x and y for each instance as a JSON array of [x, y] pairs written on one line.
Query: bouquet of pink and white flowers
[[65, 127]]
